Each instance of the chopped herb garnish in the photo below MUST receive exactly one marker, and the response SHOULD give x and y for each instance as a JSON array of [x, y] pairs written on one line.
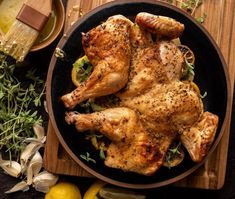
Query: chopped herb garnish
[[190, 68], [172, 153], [102, 154], [204, 95], [88, 158]]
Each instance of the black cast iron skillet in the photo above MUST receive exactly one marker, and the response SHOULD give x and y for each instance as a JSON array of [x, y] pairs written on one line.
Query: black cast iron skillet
[[211, 76]]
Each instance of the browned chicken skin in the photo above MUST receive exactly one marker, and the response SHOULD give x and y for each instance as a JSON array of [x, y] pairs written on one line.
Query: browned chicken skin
[[198, 139], [160, 25], [132, 148], [108, 48], [156, 106]]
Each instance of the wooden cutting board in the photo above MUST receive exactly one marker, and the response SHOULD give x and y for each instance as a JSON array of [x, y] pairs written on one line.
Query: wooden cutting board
[[220, 22]]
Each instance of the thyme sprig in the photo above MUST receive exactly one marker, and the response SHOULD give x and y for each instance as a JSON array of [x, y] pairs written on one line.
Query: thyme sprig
[[172, 153], [17, 116]]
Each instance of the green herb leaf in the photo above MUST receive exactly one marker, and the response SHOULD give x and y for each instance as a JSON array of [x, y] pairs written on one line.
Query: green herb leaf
[[202, 18], [87, 158], [102, 154], [204, 95], [190, 68]]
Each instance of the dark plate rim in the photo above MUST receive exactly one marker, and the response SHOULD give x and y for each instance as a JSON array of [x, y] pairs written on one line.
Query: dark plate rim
[[66, 147]]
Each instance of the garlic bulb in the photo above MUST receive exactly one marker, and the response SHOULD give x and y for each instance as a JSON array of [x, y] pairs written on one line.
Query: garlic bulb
[[44, 180], [34, 167], [21, 186], [12, 168]]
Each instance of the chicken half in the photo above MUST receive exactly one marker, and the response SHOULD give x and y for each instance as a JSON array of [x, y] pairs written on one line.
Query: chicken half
[[133, 148], [108, 48], [155, 105]]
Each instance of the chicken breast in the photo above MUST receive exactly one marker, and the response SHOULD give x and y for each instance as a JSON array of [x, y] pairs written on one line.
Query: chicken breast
[[155, 64]]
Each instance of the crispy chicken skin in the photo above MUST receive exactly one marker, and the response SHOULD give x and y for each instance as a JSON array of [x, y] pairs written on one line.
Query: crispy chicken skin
[[160, 25], [198, 139], [132, 148], [156, 64], [167, 107], [155, 106], [108, 48]]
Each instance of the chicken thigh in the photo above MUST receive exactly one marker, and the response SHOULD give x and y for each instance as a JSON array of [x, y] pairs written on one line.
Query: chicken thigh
[[132, 148], [108, 48]]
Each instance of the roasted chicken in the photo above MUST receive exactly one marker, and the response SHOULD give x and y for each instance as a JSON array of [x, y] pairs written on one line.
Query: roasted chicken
[[156, 106]]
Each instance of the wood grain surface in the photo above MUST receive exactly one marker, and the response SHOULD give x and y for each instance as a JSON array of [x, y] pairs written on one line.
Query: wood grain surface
[[220, 22]]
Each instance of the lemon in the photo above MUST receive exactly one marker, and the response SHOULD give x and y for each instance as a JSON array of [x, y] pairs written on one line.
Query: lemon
[[94, 190], [64, 190]]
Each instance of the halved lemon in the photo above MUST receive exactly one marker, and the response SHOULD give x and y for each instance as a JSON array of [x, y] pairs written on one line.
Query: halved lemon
[[64, 190]]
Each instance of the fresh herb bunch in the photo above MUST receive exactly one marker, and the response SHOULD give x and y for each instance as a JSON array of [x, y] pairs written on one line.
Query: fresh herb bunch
[[17, 116], [190, 6]]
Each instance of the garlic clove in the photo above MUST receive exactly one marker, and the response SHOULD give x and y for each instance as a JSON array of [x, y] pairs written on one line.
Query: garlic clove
[[34, 167], [28, 152], [44, 180], [12, 168], [39, 131], [21, 186]]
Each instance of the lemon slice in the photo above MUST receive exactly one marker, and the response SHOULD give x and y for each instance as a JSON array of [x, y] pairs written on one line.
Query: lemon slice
[[81, 70], [187, 53]]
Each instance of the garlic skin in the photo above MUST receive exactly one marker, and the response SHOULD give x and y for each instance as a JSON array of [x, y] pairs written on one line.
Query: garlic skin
[[28, 153], [21, 186], [12, 168], [39, 131], [44, 180], [34, 167]]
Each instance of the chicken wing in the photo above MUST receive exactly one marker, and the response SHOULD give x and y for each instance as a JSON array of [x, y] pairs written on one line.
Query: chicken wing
[[198, 139], [132, 148], [108, 48], [160, 25]]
